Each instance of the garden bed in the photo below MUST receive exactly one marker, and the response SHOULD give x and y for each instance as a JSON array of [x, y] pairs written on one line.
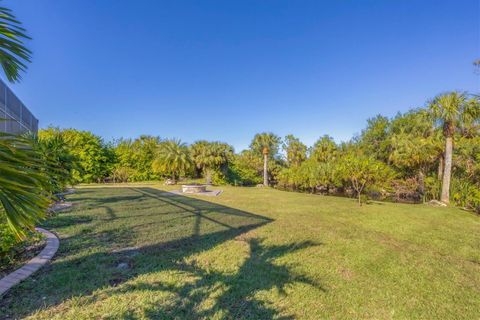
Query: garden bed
[[13, 256]]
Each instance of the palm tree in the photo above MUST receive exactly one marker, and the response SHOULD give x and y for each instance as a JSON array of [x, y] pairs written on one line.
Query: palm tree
[[452, 111], [210, 156], [324, 149], [172, 159], [266, 144]]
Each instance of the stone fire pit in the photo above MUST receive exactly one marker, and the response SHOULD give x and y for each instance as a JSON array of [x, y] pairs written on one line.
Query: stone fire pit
[[194, 188]]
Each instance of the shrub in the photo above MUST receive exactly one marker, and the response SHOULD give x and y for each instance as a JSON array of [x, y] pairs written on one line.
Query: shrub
[[11, 246], [219, 178], [466, 194], [364, 173], [433, 186], [240, 174], [123, 174], [7, 241]]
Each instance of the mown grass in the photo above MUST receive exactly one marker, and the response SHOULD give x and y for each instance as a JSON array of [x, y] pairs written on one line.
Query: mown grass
[[253, 253]]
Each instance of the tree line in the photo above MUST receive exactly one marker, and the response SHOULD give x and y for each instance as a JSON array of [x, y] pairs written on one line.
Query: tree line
[[423, 154]]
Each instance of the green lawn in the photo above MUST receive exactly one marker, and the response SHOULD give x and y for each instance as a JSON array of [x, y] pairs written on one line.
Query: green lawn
[[253, 253]]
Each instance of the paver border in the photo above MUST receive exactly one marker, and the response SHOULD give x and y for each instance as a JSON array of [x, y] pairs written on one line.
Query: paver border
[[33, 265]]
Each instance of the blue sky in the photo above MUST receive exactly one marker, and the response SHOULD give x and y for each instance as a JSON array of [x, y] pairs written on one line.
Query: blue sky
[[225, 70]]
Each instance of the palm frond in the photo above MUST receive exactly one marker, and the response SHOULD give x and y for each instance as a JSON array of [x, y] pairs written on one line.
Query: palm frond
[[22, 184], [14, 56]]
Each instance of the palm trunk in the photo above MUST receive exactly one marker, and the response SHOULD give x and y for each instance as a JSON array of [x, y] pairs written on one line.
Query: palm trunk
[[265, 172], [208, 176], [440, 167], [447, 170], [421, 184]]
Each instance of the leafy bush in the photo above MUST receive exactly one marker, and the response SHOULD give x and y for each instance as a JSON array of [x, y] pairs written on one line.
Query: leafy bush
[[94, 157], [309, 176], [466, 194], [138, 156], [433, 186], [364, 173], [123, 174], [219, 178], [240, 173], [11, 246], [7, 240]]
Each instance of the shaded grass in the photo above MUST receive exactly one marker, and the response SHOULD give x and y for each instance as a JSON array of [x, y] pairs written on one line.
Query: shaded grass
[[253, 254]]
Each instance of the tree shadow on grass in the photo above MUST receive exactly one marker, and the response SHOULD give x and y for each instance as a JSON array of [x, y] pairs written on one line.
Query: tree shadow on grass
[[63, 219], [115, 199], [60, 221], [237, 299], [180, 227]]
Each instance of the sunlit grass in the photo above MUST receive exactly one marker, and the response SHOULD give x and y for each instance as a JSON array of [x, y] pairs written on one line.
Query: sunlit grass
[[253, 253]]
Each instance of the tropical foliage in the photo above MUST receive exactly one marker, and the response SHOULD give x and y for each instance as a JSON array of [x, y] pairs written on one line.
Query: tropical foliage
[[134, 159], [211, 157], [58, 163], [173, 159], [295, 151], [94, 157], [22, 184], [14, 56], [265, 144], [363, 173], [404, 158], [453, 112]]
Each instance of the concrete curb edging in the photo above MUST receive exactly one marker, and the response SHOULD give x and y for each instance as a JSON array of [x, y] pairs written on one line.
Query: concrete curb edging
[[33, 265]]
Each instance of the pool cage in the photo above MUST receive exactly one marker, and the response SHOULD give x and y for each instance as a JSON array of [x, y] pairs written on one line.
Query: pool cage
[[15, 118]]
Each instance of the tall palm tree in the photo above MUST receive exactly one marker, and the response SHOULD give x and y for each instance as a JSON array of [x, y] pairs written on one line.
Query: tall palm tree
[[267, 144], [210, 156], [452, 111], [173, 159]]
